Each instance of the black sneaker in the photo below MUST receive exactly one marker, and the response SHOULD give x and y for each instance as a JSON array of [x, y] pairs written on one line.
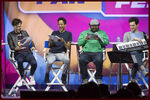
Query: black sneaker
[[47, 78], [63, 78]]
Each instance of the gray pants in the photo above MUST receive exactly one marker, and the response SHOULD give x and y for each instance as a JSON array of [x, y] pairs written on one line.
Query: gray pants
[[52, 57]]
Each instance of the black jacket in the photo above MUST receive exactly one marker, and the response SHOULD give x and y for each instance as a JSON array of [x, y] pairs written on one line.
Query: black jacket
[[13, 40]]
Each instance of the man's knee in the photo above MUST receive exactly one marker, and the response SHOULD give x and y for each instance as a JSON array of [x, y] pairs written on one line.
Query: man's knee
[[20, 61], [98, 60], [66, 61], [82, 59], [49, 62], [33, 63]]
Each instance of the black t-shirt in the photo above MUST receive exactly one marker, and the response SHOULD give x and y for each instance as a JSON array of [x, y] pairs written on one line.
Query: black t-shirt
[[20, 37], [58, 47]]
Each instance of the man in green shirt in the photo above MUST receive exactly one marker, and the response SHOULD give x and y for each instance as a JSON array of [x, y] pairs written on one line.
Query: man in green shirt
[[93, 42]]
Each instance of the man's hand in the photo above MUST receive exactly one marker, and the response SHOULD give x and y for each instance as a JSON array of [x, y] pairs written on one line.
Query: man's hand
[[86, 38], [50, 42], [33, 48], [137, 39], [62, 40], [96, 38], [18, 48], [67, 44]]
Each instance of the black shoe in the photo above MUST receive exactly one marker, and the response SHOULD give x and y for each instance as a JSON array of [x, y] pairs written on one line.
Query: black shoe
[[63, 78], [47, 78]]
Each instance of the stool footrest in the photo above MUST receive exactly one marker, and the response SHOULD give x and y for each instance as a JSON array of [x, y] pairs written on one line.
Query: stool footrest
[[54, 84]]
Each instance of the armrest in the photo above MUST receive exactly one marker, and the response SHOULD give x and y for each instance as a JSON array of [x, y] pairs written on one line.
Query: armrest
[[36, 51], [44, 52], [11, 55], [104, 55]]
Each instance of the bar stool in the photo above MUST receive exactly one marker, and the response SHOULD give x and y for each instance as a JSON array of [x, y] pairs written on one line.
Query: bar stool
[[24, 80], [56, 80], [91, 70]]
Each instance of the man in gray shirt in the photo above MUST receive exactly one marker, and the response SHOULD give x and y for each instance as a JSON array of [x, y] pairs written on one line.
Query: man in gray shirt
[[135, 35]]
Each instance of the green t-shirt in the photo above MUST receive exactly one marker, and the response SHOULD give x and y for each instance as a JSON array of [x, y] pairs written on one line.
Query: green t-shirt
[[93, 45]]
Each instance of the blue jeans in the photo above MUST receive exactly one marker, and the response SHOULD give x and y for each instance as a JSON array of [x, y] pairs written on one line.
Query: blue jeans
[[25, 57], [135, 67], [96, 58]]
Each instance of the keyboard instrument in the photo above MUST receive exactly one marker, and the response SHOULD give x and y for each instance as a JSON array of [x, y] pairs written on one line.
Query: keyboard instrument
[[132, 46]]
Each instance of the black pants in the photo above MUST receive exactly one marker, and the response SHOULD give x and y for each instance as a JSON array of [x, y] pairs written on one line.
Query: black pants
[[97, 59], [25, 57]]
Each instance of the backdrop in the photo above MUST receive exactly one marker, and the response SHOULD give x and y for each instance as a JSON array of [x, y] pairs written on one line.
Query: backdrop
[[40, 19]]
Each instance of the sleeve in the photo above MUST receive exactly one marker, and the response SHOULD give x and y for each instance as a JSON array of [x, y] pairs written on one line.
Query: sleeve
[[70, 37], [125, 38], [53, 33], [105, 39], [81, 39], [10, 42]]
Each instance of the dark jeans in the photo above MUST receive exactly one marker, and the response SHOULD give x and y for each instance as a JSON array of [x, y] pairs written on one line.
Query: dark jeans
[[135, 67], [25, 57], [96, 58]]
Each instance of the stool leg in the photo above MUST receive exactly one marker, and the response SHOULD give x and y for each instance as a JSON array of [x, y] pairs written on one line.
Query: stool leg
[[79, 74], [120, 75], [110, 75], [19, 79], [68, 78], [118, 78]]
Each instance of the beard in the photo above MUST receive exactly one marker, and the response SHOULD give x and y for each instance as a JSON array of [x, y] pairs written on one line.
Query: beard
[[133, 30], [94, 30]]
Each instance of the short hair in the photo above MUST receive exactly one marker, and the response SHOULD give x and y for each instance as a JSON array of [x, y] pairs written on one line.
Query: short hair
[[63, 19], [16, 21], [134, 19]]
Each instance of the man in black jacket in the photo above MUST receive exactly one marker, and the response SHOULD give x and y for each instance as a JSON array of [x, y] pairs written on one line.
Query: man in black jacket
[[21, 54]]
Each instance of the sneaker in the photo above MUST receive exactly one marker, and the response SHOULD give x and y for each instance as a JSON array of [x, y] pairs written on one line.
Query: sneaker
[[133, 80], [63, 78], [143, 70], [47, 78], [85, 81], [32, 81], [99, 81], [145, 74]]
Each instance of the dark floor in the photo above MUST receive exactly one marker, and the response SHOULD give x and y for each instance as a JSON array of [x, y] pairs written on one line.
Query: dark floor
[[41, 88]]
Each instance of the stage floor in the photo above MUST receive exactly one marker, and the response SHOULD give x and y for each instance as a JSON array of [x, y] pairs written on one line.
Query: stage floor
[[41, 88]]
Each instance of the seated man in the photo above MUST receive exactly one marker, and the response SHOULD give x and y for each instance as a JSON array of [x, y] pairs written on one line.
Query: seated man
[[135, 35], [21, 54], [58, 49], [93, 42]]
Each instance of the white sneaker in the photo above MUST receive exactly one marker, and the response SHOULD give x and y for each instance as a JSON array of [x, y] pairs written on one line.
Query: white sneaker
[[32, 81], [143, 70], [99, 81], [145, 73], [133, 80], [85, 81]]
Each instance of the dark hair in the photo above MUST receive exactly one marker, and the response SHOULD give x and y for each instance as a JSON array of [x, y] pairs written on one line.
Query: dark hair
[[134, 19], [63, 19], [16, 21], [134, 88]]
